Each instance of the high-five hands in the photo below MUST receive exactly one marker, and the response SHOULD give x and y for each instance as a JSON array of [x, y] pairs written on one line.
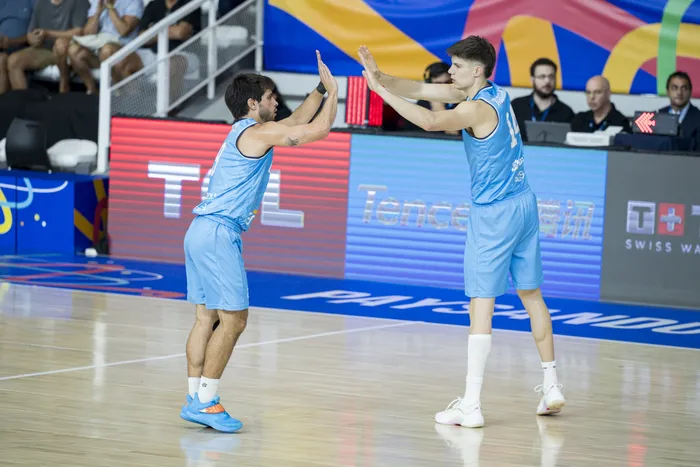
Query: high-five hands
[[371, 71], [327, 78]]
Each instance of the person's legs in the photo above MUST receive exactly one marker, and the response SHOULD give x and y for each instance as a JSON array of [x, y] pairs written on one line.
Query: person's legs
[[60, 51], [130, 65], [197, 346], [83, 61], [4, 77], [216, 283], [526, 270], [219, 349], [104, 53], [29, 59], [490, 241]]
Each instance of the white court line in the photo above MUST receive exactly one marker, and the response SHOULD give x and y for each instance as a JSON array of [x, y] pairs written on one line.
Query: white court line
[[243, 346]]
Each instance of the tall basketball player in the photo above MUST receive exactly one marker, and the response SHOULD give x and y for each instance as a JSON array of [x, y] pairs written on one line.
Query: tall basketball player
[[503, 225], [216, 278]]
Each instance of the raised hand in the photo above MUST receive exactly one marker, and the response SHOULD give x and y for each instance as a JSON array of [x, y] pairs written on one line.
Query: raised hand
[[368, 61], [327, 78], [372, 81]]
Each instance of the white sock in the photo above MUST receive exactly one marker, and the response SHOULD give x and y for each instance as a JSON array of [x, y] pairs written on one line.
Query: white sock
[[550, 374], [478, 349], [207, 389], [193, 384]]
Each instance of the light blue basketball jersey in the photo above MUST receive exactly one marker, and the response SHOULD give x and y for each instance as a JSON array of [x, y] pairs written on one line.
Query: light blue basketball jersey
[[237, 183], [496, 162]]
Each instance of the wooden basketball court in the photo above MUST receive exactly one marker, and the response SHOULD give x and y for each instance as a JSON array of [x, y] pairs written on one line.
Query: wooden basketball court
[[94, 379]]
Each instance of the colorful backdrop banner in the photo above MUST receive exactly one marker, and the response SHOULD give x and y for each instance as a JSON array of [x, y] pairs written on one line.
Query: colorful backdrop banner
[[631, 42]]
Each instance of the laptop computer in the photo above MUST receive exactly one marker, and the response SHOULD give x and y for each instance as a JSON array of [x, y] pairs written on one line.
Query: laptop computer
[[546, 132]]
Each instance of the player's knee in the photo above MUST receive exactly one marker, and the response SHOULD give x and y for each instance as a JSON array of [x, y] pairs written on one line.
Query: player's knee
[[529, 294], [234, 321], [206, 317]]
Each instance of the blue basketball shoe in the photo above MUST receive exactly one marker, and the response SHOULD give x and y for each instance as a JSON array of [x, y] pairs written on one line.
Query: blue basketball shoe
[[183, 412], [211, 414]]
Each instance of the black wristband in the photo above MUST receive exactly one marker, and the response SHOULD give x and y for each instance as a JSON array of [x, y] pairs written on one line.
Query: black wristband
[[321, 88]]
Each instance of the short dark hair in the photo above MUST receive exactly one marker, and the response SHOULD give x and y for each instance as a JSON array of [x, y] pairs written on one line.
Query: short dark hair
[[475, 48], [542, 61], [434, 70], [679, 74], [243, 87]]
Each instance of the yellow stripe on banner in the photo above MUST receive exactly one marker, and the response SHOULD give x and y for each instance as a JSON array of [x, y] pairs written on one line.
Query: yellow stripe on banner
[[526, 39], [82, 224], [348, 24], [641, 45], [7, 215], [99, 189]]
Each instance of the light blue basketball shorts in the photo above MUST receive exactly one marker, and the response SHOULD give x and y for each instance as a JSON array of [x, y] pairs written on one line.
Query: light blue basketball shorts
[[216, 276], [503, 237]]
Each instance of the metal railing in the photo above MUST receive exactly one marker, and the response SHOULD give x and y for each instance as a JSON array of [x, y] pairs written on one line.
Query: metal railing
[[178, 72]]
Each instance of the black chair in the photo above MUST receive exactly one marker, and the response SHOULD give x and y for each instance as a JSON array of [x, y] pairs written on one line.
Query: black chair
[[25, 146]]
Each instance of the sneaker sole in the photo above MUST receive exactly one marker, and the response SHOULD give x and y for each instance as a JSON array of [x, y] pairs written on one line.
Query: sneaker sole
[[188, 419], [217, 426], [473, 425], [554, 408]]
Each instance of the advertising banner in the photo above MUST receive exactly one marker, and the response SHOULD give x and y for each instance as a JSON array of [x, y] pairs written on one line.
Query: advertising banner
[[652, 235], [159, 173], [409, 200], [637, 44]]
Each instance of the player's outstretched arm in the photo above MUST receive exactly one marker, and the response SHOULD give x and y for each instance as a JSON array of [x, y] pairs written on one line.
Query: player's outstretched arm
[[276, 134], [409, 88], [306, 111], [462, 116]]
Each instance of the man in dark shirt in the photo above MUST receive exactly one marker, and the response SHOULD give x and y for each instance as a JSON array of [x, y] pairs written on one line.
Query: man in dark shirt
[[178, 33], [679, 89], [542, 105], [603, 113]]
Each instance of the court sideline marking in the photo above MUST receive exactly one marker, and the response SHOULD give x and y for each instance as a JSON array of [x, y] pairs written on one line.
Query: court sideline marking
[[243, 346]]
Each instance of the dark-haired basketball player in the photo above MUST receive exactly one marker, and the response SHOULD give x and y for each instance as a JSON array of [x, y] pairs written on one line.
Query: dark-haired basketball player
[[216, 278]]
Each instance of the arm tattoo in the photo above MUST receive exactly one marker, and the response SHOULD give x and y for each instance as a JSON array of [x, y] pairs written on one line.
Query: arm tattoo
[[293, 142]]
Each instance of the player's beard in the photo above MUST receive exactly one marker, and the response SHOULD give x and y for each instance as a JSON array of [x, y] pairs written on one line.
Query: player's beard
[[266, 115]]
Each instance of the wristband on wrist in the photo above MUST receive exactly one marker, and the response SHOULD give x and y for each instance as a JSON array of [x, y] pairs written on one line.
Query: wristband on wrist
[[321, 88]]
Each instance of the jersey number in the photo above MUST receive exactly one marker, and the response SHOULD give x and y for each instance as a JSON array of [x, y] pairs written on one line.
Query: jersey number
[[512, 127]]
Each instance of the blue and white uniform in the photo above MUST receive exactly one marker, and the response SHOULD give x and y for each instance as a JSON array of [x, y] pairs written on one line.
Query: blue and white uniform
[[503, 224], [216, 276]]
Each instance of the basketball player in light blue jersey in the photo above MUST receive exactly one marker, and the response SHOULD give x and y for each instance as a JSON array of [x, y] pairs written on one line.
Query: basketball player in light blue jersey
[[503, 225], [216, 278]]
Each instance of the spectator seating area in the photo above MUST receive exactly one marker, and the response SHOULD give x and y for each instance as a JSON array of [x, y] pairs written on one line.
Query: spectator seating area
[[66, 121]]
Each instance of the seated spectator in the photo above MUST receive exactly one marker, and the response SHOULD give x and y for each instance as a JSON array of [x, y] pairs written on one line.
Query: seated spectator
[[110, 25], [603, 113], [51, 21], [438, 73], [679, 89], [14, 23], [542, 104], [178, 33]]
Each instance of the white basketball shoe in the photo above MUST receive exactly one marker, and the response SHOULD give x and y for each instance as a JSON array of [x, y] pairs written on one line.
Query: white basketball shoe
[[458, 413], [552, 399]]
